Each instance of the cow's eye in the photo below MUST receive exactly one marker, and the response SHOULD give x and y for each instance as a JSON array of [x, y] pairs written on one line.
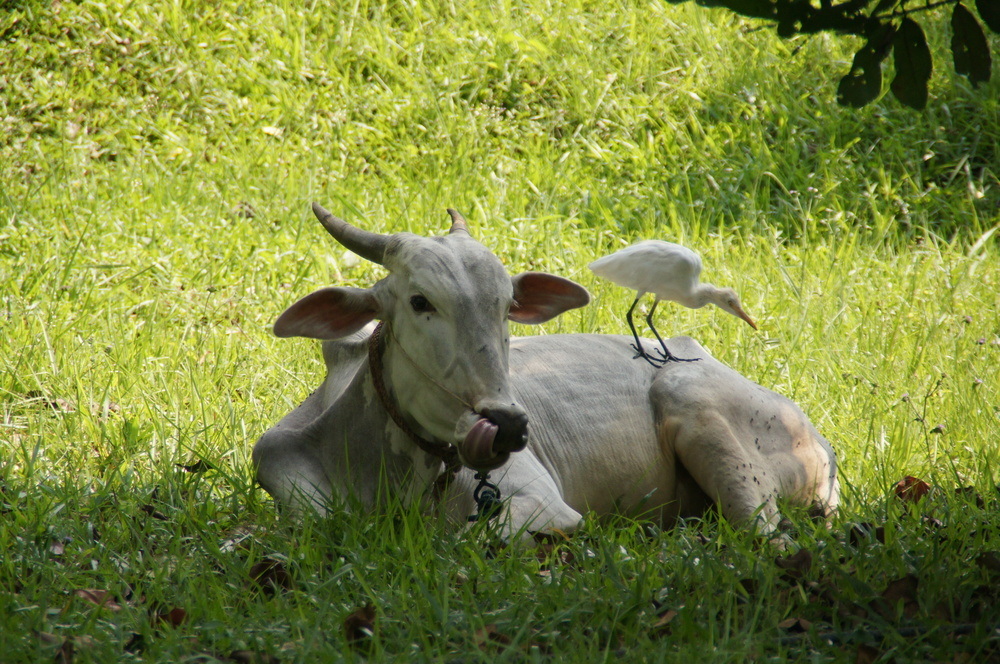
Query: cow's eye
[[420, 304]]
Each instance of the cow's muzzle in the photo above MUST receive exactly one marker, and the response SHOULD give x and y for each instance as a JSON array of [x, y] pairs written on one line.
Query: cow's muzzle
[[497, 432]]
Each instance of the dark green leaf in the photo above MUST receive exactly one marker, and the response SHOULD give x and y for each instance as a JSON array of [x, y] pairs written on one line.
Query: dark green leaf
[[969, 47], [989, 11], [863, 83], [913, 65], [750, 8], [884, 5]]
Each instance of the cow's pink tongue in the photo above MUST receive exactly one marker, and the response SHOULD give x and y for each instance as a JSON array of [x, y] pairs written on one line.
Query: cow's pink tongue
[[479, 442]]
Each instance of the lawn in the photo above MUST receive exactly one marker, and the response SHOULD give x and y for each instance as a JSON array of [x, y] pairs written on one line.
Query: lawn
[[157, 161]]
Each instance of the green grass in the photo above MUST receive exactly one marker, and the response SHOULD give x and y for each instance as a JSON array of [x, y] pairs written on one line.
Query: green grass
[[156, 165]]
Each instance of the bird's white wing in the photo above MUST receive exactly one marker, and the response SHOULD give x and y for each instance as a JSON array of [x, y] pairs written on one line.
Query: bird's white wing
[[652, 266]]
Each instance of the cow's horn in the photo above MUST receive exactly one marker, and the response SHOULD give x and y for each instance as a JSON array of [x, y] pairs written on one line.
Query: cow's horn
[[458, 224], [363, 243]]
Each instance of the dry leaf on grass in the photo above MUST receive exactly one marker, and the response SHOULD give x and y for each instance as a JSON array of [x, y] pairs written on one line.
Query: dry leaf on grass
[[750, 586], [796, 565], [174, 617], [66, 653], [662, 625], [901, 591], [863, 532], [359, 626], [489, 635], [199, 466], [795, 625], [152, 511], [867, 654], [100, 598], [911, 489], [136, 643], [271, 575], [989, 561]]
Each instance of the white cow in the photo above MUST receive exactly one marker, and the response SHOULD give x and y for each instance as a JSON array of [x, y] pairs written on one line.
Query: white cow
[[606, 433]]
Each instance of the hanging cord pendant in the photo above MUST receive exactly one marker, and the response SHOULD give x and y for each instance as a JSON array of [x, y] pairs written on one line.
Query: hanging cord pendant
[[487, 497]]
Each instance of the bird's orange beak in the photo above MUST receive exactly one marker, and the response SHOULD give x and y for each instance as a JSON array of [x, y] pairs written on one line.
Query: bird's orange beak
[[742, 314]]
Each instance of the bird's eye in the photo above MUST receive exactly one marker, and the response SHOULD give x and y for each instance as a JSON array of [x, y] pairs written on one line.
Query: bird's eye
[[421, 305]]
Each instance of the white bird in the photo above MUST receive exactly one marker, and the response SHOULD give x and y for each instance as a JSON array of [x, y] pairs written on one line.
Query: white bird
[[670, 272]]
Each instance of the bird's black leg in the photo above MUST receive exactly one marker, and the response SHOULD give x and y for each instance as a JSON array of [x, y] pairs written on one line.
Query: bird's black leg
[[639, 352], [667, 356]]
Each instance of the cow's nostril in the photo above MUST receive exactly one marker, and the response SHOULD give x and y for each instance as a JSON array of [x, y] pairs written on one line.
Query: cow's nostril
[[512, 427]]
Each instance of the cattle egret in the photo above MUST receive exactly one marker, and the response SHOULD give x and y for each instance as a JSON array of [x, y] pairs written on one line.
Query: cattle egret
[[670, 272]]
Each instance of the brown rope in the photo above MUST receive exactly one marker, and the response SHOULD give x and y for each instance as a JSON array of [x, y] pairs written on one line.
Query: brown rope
[[448, 454]]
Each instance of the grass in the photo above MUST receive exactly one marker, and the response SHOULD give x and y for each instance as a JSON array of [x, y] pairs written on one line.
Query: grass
[[156, 165]]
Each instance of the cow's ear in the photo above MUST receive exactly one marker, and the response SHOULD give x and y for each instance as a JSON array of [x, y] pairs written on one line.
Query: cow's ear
[[539, 297], [329, 313]]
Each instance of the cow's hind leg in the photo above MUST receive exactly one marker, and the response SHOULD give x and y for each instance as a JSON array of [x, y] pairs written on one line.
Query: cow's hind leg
[[737, 479]]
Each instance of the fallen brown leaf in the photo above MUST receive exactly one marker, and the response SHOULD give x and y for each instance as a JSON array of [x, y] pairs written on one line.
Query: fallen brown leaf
[[902, 590], [66, 653], [795, 625], [862, 532], [795, 565], [151, 511], [543, 549], [359, 626], [911, 489], [136, 643], [662, 625], [867, 654], [989, 561], [943, 611], [931, 522], [271, 575], [100, 598], [490, 635], [174, 617], [823, 592], [750, 586], [199, 466]]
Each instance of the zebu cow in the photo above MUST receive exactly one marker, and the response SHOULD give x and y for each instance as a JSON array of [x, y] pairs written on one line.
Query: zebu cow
[[442, 376]]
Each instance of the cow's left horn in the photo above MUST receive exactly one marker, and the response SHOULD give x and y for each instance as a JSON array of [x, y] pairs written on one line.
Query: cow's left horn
[[363, 243], [458, 224]]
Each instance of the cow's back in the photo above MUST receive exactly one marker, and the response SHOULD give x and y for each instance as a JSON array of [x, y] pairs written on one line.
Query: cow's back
[[602, 423], [591, 423]]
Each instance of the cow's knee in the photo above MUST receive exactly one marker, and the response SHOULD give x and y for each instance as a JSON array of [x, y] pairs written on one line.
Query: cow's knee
[[528, 514], [740, 483]]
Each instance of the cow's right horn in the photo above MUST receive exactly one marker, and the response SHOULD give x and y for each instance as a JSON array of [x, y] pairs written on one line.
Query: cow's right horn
[[364, 243], [458, 223]]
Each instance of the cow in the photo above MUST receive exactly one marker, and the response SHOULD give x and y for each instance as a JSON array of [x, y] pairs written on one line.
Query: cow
[[565, 424]]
